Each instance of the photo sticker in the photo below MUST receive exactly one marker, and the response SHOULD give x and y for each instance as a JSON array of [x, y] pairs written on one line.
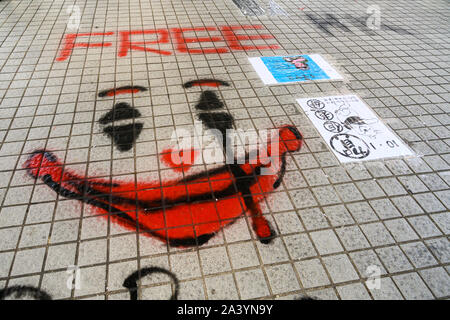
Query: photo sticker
[[295, 68]]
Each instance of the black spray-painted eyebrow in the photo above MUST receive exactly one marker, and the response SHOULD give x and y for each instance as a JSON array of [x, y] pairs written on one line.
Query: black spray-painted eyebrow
[[121, 90], [205, 83]]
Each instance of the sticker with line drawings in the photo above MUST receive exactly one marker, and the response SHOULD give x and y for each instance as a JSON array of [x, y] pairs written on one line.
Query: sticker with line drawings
[[351, 129]]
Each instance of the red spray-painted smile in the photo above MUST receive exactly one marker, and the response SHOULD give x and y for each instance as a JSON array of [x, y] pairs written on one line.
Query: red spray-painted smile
[[183, 212]]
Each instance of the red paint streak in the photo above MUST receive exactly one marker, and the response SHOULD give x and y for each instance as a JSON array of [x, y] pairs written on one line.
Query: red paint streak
[[234, 40], [181, 40], [206, 84], [175, 210], [177, 35], [179, 160], [121, 91], [126, 44], [69, 43]]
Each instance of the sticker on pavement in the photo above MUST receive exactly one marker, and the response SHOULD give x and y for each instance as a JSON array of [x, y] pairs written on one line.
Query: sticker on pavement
[[295, 68], [352, 130]]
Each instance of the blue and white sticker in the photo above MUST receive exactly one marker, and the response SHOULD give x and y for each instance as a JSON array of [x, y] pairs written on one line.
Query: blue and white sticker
[[294, 68], [352, 130]]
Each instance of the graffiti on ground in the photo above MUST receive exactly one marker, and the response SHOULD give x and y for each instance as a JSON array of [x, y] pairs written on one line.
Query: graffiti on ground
[[252, 8], [156, 38], [184, 212], [362, 23], [23, 293]]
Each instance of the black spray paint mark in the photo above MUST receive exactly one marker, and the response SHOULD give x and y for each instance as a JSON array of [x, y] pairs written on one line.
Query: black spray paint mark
[[205, 82], [131, 281], [331, 20], [120, 111], [26, 292], [223, 121], [124, 89], [217, 120], [124, 136], [306, 298], [209, 101], [249, 8]]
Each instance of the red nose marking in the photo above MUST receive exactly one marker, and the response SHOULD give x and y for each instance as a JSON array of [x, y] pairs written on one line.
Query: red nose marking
[[179, 160]]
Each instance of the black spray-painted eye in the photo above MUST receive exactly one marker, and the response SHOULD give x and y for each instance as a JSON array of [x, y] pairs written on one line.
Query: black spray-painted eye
[[209, 101], [123, 135], [120, 111]]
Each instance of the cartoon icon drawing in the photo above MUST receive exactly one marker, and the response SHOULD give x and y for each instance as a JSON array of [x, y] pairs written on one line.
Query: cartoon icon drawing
[[333, 126], [298, 61], [315, 104], [324, 115], [351, 120]]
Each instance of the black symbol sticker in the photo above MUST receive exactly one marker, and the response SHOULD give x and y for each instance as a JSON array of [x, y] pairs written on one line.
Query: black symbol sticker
[[349, 146], [324, 115], [333, 126], [315, 104]]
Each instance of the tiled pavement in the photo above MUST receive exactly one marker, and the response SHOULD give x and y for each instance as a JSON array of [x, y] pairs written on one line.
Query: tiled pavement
[[336, 224]]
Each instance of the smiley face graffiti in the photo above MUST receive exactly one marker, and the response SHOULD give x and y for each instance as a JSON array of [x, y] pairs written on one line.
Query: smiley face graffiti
[[183, 212]]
